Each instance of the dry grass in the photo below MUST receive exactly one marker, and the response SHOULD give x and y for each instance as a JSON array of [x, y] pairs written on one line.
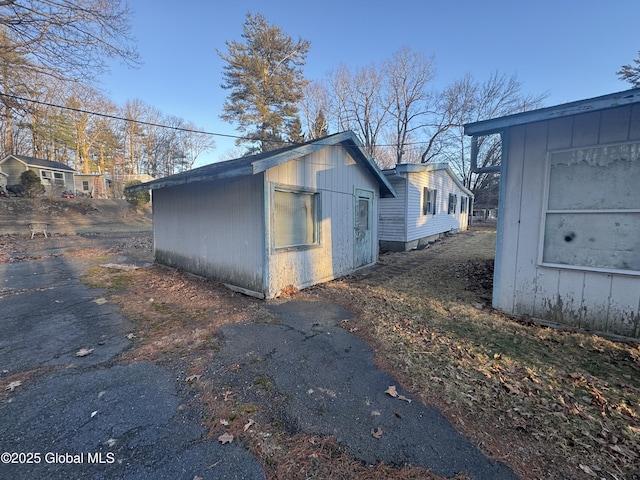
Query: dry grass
[[552, 404]]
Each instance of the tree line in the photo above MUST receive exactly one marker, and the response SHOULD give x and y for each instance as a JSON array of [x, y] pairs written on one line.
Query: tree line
[[51, 53]]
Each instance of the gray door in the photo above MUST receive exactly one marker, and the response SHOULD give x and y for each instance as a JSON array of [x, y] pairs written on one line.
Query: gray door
[[363, 228]]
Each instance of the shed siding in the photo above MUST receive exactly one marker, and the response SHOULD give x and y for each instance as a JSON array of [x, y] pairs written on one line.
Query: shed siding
[[602, 301], [214, 229], [392, 218], [335, 175]]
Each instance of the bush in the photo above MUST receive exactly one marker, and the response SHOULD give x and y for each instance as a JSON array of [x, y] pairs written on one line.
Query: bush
[[136, 198], [31, 183]]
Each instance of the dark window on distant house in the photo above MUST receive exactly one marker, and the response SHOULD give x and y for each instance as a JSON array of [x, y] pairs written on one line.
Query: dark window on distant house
[[429, 201], [45, 174], [57, 176], [85, 185], [453, 202]]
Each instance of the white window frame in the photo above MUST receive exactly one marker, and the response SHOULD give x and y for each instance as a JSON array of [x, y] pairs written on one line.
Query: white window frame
[[547, 211], [316, 213]]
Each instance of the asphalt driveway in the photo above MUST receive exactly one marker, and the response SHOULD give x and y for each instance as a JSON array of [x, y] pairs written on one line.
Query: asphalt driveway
[[91, 417]]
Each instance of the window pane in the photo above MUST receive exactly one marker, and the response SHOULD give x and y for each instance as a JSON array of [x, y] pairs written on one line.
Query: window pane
[[294, 219], [363, 214]]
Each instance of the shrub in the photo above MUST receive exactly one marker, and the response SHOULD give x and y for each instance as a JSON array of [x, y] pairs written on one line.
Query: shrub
[[31, 183], [136, 198]]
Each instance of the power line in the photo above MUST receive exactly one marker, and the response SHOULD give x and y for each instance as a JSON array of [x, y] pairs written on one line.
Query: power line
[[115, 117], [151, 124]]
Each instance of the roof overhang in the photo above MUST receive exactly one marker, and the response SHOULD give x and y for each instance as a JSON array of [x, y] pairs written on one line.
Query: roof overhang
[[259, 163], [497, 125]]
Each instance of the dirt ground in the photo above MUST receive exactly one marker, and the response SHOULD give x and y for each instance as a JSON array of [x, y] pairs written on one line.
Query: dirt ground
[[549, 403]]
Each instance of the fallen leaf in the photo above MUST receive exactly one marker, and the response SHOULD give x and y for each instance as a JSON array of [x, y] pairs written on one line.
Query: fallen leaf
[[587, 470], [193, 378], [404, 399], [224, 422], [12, 386], [391, 391], [249, 424], [377, 433], [100, 301], [225, 438], [93, 414], [83, 352]]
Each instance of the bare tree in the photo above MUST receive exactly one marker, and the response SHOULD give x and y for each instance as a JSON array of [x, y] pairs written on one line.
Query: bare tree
[[313, 107], [359, 103], [69, 39], [409, 98]]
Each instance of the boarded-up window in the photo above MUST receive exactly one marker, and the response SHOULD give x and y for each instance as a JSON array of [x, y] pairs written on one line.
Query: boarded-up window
[[592, 219], [429, 201], [295, 220]]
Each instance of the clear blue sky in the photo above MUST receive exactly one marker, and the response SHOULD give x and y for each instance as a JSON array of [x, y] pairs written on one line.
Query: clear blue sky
[[568, 48]]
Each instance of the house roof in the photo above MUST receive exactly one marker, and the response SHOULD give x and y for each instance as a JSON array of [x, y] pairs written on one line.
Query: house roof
[[261, 162], [495, 125], [40, 163], [405, 168]]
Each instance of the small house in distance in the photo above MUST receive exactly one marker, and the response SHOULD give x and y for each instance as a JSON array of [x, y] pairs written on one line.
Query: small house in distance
[[430, 201], [292, 217], [568, 248], [53, 175]]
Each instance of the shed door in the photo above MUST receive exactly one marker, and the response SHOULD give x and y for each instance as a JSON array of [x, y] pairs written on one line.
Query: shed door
[[363, 219]]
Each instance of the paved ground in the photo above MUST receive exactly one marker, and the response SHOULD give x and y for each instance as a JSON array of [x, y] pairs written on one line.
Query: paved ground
[[130, 421]]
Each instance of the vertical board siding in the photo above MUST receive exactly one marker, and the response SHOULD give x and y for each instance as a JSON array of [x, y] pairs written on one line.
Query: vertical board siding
[[598, 301], [335, 175], [213, 229]]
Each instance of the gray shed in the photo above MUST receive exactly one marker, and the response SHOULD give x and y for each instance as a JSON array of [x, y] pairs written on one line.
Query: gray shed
[[568, 244], [292, 217]]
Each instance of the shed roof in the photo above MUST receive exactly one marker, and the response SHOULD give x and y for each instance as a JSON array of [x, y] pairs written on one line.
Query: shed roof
[[404, 168], [254, 164], [39, 162], [495, 125]]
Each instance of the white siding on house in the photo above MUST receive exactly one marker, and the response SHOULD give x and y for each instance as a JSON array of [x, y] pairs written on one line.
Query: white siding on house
[[214, 229], [393, 220], [334, 175], [606, 301], [402, 219]]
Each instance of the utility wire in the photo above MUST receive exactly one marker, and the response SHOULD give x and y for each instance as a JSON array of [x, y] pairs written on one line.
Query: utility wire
[[151, 124]]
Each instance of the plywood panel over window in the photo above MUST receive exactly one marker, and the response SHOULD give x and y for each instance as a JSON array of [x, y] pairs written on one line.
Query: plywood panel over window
[[592, 218]]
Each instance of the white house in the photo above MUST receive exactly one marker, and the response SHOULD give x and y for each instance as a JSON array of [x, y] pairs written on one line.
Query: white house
[[430, 201], [296, 216], [568, 244]]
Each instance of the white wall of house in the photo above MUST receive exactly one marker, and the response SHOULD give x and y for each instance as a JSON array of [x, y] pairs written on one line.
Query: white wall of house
[[334, 176], [552, 263], [403, 224], [214, 229]]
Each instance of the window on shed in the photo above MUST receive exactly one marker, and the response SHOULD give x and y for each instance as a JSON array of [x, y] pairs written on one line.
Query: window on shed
[[295, 218], [429, 201], [453, 202], [463, 204], [592, 215]]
